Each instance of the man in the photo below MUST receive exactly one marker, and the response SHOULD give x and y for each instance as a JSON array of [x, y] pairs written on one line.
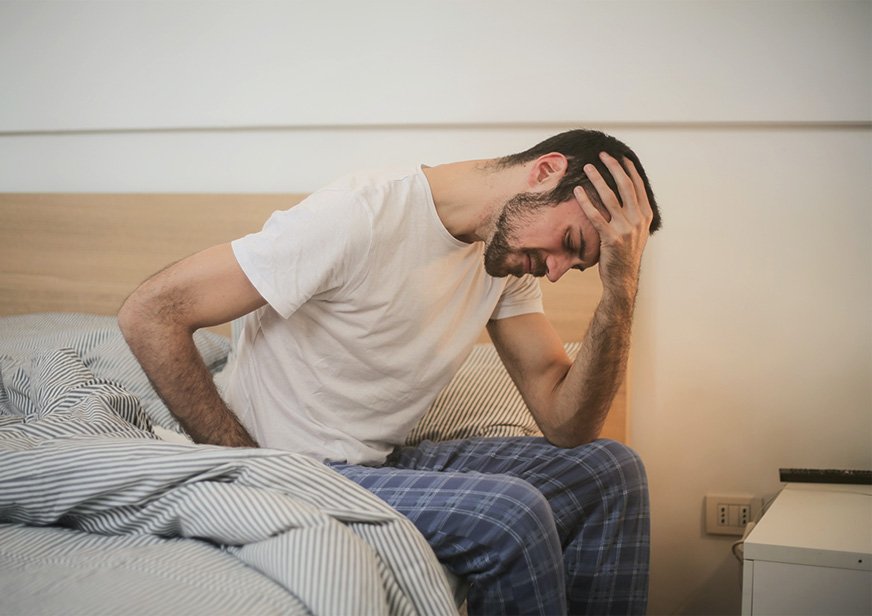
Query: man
[[363, 301]]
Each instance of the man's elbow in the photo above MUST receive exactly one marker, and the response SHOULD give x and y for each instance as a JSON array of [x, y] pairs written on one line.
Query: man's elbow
[[140, 314], [132, 316]]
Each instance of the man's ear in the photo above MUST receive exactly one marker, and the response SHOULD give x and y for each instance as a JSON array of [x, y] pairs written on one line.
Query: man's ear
[[547, 170]]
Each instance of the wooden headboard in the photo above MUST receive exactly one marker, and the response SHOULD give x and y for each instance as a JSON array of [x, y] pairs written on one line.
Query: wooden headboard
[[87, 252]]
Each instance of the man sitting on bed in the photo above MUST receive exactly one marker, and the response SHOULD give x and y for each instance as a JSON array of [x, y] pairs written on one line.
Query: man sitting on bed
[[364, 300]]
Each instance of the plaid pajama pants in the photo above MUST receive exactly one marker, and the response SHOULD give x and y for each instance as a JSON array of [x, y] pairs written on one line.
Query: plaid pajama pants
[[534, 528]]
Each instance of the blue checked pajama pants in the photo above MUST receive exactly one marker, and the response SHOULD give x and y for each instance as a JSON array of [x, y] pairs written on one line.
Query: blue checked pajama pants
[[534, 528]]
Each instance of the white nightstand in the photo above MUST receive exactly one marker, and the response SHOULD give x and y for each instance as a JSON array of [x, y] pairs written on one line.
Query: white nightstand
[[811, 553]]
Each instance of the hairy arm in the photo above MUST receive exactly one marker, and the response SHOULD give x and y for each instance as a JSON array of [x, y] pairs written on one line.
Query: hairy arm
[[159, 320], [570, 400]]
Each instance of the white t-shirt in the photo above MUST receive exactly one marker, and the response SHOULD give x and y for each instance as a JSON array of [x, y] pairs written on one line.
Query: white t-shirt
[[371, 308]]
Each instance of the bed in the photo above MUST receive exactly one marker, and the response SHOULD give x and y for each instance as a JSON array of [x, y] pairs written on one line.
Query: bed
[[106, 507]]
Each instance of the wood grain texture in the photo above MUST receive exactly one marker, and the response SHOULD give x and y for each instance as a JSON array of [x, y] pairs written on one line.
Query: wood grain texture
[[87, 252]]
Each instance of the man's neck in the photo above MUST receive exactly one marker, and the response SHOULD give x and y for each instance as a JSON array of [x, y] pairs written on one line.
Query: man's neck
[[469, 194]]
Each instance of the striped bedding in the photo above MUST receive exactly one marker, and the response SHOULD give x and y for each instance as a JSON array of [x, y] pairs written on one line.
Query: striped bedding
[[98, 515]]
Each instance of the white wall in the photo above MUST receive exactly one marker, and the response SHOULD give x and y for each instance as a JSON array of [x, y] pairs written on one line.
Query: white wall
[[753, 340], [147, 64]]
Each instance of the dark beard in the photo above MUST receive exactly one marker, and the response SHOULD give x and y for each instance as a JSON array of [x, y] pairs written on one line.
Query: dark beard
[[497, 252]]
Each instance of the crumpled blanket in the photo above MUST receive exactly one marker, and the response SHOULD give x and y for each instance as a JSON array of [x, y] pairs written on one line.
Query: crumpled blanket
[[85, 459]]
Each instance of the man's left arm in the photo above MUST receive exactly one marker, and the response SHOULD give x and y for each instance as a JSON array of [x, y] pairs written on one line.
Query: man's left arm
[[570, 400]]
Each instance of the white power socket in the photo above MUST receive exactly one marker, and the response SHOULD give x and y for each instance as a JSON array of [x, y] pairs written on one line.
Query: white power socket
[[728, 514]]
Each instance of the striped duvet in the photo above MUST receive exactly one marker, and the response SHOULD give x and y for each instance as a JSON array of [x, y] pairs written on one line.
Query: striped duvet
[[98, 515]]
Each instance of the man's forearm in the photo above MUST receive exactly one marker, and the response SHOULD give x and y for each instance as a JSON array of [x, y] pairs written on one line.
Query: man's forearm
[[586, 393], [181, 378], [588, 390]]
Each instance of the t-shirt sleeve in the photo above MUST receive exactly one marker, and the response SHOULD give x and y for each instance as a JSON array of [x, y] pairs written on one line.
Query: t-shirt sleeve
[[310, 249], [520, 296]]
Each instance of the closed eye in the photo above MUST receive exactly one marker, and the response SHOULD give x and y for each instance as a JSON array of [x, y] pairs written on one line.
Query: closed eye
[[580, 246], [570, 247]]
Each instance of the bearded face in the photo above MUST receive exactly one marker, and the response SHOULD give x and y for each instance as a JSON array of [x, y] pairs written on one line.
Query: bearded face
[[503, 255]]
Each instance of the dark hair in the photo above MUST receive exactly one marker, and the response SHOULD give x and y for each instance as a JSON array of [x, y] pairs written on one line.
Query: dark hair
[[580, 147]]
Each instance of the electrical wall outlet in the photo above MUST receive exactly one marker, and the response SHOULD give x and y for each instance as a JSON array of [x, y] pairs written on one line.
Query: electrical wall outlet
[[729, 514]]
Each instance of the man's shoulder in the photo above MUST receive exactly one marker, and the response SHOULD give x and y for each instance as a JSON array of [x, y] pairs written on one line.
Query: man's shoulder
[[375, 181]]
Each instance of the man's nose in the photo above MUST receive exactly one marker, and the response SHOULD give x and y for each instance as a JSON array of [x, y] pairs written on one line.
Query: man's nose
[[557, 266]]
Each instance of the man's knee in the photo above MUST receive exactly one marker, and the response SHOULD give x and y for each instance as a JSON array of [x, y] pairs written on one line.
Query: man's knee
[[522, 505], [515, 523], [585, 482], [521, 515], [623, 464], [502, 507], [493, 524]]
